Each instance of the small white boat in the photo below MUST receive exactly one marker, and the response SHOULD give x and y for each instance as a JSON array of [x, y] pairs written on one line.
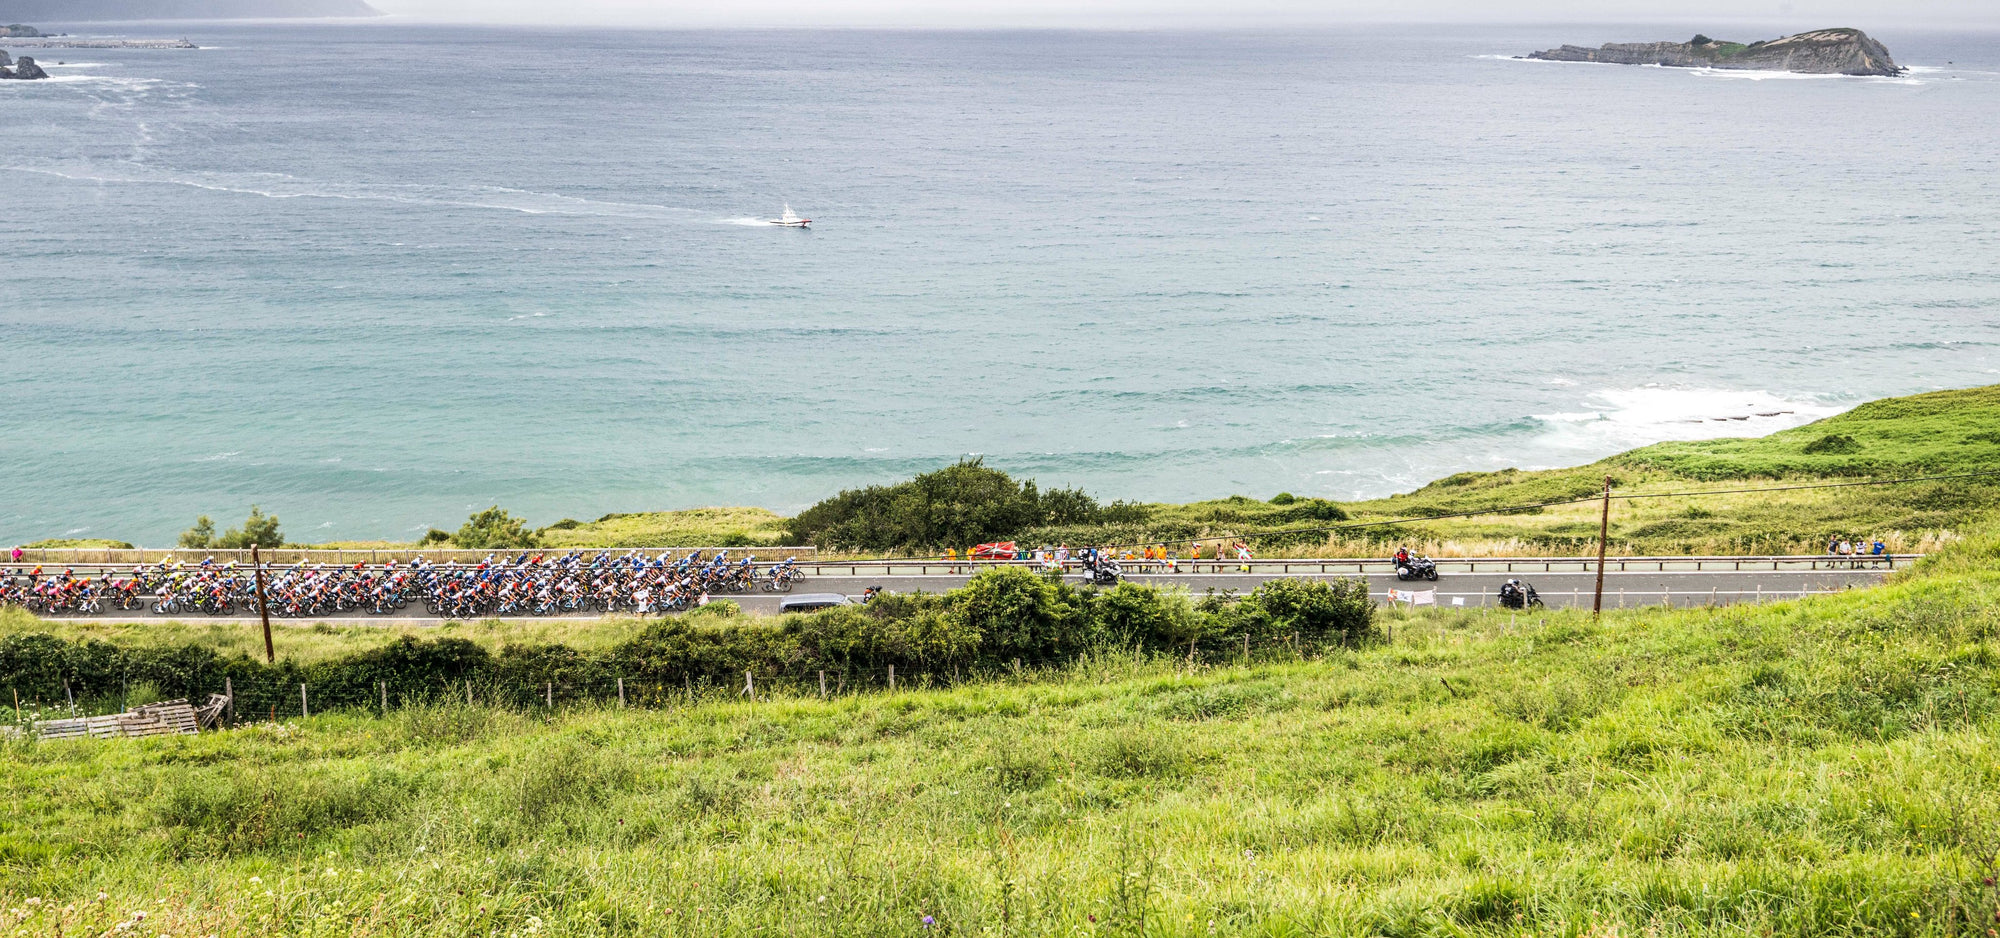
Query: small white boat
[[791, 219]]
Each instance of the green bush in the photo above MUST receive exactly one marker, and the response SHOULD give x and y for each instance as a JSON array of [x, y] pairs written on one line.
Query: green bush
[[494, 528], [1315, 610], [1016, 614], [1833, 444], [259, 530], [960, 505], [201, 536]]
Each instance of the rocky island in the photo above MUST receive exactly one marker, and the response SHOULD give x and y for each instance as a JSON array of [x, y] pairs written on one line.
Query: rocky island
[[1819, 52], [24, 69]]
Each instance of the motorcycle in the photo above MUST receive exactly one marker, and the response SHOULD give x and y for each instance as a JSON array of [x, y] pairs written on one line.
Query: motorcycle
[[1102, 572], [1518, 597], [1416, 568]]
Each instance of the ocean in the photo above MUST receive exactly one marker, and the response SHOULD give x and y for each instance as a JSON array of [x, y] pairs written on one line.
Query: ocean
[[373, 277]]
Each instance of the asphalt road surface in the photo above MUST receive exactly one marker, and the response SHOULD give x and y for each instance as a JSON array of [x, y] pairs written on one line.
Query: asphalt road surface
[[1558, 590]]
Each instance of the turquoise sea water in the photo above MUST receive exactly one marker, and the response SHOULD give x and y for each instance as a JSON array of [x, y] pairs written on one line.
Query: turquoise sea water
[[373, 277]]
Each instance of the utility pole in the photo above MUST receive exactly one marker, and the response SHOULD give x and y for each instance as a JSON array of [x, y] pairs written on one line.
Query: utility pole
[[1603, 533], [263, 605]]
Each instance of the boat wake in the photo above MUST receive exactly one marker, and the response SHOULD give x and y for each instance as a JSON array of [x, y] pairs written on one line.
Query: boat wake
[[284, 186]]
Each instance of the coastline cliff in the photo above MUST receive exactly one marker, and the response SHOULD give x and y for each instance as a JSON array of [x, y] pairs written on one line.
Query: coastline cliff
[[1819, 52]]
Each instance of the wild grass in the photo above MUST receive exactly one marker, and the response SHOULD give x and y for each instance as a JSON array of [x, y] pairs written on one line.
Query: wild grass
[[1821, 767], [310, 642]]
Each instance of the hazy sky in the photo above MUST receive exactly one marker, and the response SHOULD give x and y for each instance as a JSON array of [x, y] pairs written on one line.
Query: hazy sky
[[1801, 14]]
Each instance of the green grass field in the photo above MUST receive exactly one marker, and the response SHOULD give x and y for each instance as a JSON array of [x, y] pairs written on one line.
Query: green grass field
[[1823, 767]]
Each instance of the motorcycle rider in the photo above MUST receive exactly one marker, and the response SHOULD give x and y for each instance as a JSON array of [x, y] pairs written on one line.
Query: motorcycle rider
[[1402, 556]]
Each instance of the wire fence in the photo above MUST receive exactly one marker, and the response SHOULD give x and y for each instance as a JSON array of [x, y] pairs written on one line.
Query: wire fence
[[257, 700], [254, 700]]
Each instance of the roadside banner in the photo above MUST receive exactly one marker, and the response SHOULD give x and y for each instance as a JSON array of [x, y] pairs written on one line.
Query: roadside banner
[[1414, 597]]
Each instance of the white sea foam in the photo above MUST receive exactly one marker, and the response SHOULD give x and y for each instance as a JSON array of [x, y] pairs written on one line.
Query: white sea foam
[[1745, 74], [1625, 418]]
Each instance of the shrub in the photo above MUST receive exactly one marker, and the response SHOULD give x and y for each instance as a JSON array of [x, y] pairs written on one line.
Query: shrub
[[259, 530], [960, 505], [1315, 609], [494, 528], [1283, 498], [433, 536], [1833, 444], [1133, 614], [407, 665], [1016, 614], [200, 536]]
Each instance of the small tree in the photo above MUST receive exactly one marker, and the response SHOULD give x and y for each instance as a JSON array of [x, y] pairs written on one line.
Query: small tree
[[259, 530], [200, 536], [494, 527]]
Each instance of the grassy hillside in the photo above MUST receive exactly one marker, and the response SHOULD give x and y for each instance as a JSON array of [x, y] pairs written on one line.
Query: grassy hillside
[[695, 527], [1810, 768], [1927, 434]]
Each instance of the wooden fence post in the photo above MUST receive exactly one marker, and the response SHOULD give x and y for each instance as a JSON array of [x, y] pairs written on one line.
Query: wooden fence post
[[892, 677], [468, 692], [305, 709], [822, 686], [384, 687], [549, 693], [749, 686], [1246, 648], [621, 693]]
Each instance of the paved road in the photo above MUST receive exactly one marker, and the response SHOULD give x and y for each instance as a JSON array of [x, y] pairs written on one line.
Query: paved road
[[1558, 590]]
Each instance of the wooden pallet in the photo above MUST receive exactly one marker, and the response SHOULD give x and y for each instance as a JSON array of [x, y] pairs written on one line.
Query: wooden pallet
[[166, 718]]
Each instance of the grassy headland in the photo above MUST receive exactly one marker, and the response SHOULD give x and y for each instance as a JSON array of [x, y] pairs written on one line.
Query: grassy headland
[[1802, 769], [1928, 434]]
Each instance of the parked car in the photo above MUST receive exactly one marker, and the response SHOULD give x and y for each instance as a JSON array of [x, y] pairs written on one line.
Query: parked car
[[812, 602]]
